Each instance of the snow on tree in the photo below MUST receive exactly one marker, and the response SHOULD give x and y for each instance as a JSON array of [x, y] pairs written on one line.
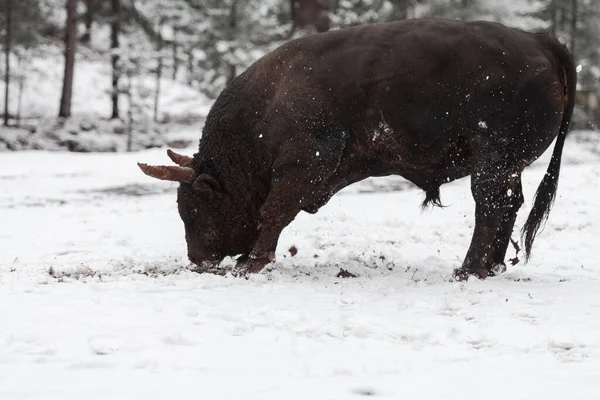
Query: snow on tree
[[223, 37]]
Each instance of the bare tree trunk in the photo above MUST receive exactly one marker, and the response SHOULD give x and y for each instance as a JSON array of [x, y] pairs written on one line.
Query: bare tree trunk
[[115, 27], [7, 49], [130, 110], [554, 17], [174, 53], [89, 21], [233, 25], [70, 43], [159, 69], [190, 66], [157, 92], [574, 17], [293, 4], [20, 103], [313, 14], [401, 9], [21, 88]]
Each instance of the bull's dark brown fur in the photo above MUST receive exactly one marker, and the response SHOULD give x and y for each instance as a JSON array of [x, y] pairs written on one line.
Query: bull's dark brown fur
[[430, 100]]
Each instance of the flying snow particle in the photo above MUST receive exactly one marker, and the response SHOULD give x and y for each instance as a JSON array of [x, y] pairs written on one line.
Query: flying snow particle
[[385, 127], [509, 192], [579, 68], [260, 136], [318, 154], [482, 125]]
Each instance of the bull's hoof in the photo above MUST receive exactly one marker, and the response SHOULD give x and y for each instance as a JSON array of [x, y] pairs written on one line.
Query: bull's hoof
[[250, 265], [498, 269], [463, 274]]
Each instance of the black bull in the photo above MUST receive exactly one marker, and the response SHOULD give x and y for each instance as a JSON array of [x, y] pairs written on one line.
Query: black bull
[[429, 100]]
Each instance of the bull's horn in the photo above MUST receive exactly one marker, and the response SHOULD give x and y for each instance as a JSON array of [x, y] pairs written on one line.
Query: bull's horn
[[169, 173], [179, 159]]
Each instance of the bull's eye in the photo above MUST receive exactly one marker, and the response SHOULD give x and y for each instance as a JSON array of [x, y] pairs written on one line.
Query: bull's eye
[[194, 212]]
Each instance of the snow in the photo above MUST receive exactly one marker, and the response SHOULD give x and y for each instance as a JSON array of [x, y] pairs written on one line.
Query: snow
[[96, 301], [89, 129], [92, 86]]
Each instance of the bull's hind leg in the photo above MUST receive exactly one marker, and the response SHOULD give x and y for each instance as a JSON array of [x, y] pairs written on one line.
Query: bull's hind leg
[[498, 196]]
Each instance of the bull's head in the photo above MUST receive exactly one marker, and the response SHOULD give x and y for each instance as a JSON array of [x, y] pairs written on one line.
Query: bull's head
[[215, 226]]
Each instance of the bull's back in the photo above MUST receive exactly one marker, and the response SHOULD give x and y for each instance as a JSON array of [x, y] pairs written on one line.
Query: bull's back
[[404, 65], [421, 81], [408, 94]]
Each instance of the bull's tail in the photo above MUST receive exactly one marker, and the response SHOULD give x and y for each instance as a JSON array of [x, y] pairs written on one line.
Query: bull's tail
[[546, 193]]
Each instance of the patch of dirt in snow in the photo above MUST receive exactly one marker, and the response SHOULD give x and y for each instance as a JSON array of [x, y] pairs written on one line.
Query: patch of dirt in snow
[[115, 269]]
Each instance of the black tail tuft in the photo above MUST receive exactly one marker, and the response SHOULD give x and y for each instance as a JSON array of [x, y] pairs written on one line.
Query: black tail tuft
[[432, 196], [546, 193], [544, 198]]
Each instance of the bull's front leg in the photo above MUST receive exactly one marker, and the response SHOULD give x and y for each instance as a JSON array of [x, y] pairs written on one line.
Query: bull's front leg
[[300, 181], [498, 196], [282, 205]]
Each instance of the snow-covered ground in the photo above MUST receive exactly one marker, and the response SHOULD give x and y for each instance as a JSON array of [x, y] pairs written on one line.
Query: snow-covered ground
[[96, 301]]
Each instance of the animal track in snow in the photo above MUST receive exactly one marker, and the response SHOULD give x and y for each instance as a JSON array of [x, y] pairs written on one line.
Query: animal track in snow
[[528, 315], [568, 349]]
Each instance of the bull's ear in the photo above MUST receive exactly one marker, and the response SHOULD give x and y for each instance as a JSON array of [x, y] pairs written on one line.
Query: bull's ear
[[206, 185]]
